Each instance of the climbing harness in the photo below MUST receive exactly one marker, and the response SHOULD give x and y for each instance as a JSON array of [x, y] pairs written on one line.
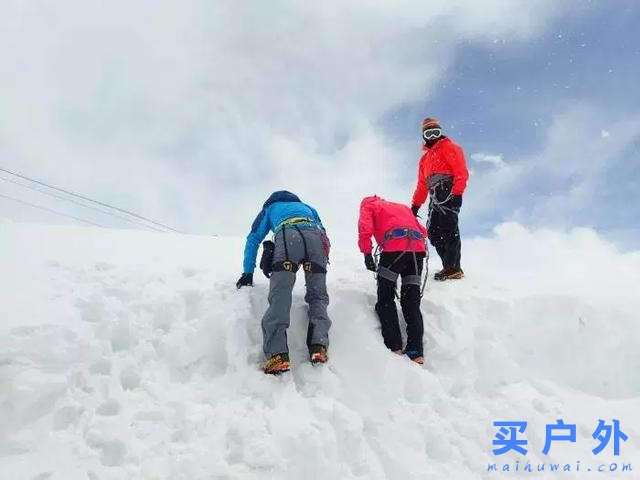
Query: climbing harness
[[434, 203], [387, 273], [403, 233], [293, 221], [289, 266]]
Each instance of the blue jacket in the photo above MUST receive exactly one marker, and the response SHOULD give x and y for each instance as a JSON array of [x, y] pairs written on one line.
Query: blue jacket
[[280, 206]]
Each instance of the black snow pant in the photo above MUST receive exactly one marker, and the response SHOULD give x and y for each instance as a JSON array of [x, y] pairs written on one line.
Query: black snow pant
[[404, 265], [444, 233]]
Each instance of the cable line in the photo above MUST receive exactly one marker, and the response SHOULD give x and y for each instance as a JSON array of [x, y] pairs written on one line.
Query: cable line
[[77, 195], [75, 202], [40, 207]]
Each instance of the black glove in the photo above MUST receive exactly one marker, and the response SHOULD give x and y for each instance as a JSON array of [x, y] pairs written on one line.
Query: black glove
[[246, 280], [414, 209], [455, 202], [369, 262]]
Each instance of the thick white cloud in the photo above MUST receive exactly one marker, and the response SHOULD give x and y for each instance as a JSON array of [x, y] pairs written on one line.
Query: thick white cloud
[[194, 111], [568, 174], [492, 159]]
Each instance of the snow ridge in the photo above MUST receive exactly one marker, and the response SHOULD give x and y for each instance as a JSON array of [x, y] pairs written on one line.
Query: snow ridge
[[130, 355]]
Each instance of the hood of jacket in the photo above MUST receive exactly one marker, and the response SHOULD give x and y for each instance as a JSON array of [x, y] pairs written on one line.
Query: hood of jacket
[[275, 197], [281, 196], [371, 199]]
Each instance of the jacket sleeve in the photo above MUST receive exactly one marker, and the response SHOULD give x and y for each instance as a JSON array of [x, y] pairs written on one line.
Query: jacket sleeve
[[421, 192], [316, 217], [365, 228], [259, 230], [460, 172]]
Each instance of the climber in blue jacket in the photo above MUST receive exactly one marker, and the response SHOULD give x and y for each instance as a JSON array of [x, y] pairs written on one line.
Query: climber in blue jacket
[[299, 239]]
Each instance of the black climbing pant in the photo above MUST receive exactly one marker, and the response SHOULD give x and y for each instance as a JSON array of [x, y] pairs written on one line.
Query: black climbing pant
[[403, 264]]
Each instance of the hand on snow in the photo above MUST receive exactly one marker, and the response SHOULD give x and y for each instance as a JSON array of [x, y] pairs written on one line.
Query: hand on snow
[[369, 263], [246, 280]]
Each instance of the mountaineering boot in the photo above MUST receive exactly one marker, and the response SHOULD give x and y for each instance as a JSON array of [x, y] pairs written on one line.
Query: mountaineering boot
[[318, 353], [439, 274], [415, 357], [449, 273], [278, 363], [454, 274]]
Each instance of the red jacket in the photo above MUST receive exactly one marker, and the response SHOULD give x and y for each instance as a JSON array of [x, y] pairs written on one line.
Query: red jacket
[[447, 158], [377, 217]]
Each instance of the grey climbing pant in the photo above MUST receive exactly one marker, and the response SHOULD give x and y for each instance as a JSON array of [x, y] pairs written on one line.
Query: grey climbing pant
[[276, 319]]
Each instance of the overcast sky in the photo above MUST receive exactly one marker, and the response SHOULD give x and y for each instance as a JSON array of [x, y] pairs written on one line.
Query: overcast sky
[[193, 112]]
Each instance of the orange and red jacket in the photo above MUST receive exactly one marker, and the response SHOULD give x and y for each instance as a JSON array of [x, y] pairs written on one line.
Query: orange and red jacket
[[443, 160], [377, 217]]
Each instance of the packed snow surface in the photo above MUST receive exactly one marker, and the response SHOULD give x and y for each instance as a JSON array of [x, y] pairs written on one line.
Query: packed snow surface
[[127, 355]]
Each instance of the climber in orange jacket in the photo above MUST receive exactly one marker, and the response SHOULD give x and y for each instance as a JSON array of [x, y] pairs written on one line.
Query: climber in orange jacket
[[442, 175]]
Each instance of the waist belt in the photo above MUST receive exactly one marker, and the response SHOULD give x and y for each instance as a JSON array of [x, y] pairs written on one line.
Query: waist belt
[[293, 221], [403, 233]]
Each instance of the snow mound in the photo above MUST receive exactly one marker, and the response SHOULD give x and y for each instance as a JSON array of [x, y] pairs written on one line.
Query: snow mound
[[132, 355]]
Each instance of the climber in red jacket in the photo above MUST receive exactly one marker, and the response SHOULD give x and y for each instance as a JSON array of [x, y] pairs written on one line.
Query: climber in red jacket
[[442, 175], [402, 242]]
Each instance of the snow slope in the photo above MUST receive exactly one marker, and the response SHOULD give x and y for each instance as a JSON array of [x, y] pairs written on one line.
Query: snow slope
[[127, 355]]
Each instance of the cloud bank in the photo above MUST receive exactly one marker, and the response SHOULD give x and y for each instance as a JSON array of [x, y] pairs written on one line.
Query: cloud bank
[[194, 112], [571, 180]]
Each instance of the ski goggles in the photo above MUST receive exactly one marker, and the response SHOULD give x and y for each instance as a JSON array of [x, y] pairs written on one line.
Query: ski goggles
[[431, 133]]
